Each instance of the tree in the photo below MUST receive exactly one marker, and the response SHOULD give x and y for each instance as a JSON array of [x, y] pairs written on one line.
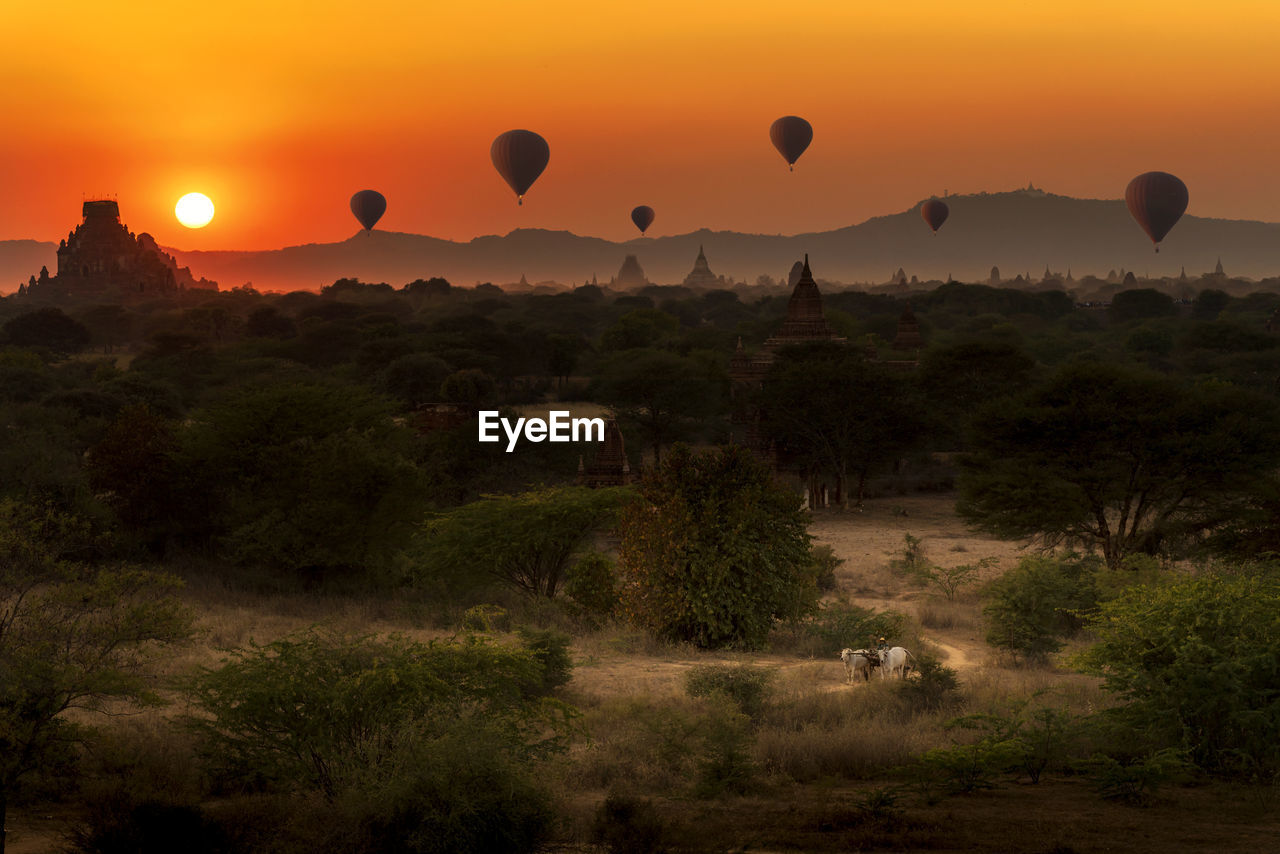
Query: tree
[[1033, 606], [1196, 661], [72, 637], [664, 395], [1209, 303], [109, 325], [47, 327], [308, 709], [830, 410], [266, 322], [299, 476], [716, 552], [1140, 304], [526, 540], [415, 378], [959, 379], [641, 327], [416, 747], [132, 468], [563, 356], [1118, 460]]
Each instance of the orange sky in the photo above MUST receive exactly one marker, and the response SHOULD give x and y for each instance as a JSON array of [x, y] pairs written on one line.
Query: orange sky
[[279, 111]]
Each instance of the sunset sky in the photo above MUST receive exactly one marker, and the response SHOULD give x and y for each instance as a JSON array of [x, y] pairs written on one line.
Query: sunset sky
[[279, 111]]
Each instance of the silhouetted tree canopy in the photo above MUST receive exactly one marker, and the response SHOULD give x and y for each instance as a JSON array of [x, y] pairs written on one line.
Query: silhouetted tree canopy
[[1118, 460], [49, 328]]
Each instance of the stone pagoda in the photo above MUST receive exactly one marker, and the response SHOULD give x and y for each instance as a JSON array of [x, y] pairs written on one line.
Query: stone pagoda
[[908, 337], [805, 323], [103, 259], [610, 466], [701, 276]]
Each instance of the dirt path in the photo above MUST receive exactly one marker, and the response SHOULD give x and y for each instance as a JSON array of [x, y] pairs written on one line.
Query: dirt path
[[867, 542]]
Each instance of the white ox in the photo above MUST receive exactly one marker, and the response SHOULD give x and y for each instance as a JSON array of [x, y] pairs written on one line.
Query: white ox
[[856, 661], [895, 661]]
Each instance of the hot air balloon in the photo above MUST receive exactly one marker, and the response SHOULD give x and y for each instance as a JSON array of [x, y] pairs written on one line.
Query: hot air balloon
[[642, 217], [520, 156], [935, 213], [368, 206], [1156, 200], [791, 135]]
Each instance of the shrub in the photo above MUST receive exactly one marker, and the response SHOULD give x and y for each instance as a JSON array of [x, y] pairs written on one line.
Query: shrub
[[1196, 661], [551, 649], [486, 618], [628, 825], [933, 687], [1135, 782], [459, 791], [1032, 607], [825, 564], [591, 584], [314, 710], [746, 687], [840, 625], [150, 827], [911, 559], [950, 579], [726, 765], [968, 767], [717, 553]]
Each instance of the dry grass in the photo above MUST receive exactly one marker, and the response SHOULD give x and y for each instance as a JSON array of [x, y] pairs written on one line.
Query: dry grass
[[820, 747], [935, 613]]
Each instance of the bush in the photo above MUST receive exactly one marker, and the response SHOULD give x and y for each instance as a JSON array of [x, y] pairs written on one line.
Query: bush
[[911, 559], [551, 649], [315, 711], [591, 584], [1032, 607], [933, 687], [456, 792], [726, 765], [839, 625], [628, 825], [1196, 661], [950, 579], [825, 564], [1136, 782], [717, 552], [746, 687], [150, 827], [486, 618]]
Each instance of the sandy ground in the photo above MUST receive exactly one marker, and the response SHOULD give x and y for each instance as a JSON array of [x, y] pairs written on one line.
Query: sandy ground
[[870, 540]]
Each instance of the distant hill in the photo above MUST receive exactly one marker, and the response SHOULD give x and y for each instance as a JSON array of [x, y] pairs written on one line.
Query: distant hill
[[22, 259], [1023, 231]]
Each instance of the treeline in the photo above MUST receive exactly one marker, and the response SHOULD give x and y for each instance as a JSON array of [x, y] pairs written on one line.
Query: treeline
[[279, 430]]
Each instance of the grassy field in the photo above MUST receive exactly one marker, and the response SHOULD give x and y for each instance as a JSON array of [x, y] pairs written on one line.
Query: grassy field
[[814, 769]]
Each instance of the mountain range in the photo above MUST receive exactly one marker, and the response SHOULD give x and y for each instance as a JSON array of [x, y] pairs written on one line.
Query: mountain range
[[1021, 232]]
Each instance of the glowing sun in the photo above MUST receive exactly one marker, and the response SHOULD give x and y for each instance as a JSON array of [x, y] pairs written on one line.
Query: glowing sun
[[194, 210]]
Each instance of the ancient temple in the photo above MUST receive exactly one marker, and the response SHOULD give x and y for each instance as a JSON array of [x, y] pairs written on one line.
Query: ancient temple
[[908, 337], [610, 466], [630, 275], [102, 258], [701, 276], [805, 323]]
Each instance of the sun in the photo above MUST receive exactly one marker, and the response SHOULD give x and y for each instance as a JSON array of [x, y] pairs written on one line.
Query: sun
[[194, 210]]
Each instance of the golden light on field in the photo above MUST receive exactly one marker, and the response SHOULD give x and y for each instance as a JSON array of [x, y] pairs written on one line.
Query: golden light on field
[[194, 210]]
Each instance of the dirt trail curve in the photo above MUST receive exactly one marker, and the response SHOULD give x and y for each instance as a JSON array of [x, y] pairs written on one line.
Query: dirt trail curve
[[867, 541]]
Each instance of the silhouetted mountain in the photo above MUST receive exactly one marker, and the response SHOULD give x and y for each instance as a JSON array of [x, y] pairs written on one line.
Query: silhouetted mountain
[[1021, 231], [22, 259]]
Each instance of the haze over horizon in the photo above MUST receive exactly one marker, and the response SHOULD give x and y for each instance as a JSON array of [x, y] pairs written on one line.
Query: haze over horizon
[[280, 113]]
